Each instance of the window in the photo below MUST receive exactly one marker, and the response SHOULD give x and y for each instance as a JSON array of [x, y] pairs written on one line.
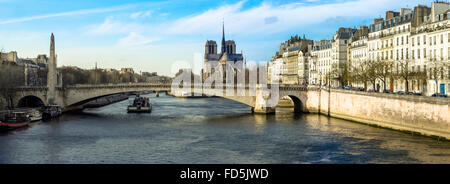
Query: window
[[442, 38], [413, 55], [402, 53], [407, 54], [430, 41], [424, 40], [397, 41], [448, 37], [418, 53], [397, 54], [448, 53], [418, 41], [424, 53], [412, 41], [434, 40]]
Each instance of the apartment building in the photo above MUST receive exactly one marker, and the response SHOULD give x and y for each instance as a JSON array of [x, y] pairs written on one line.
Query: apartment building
[[414, 44], [284, 66], [416, 41], [320, 62], [430, 45], [358, 51]]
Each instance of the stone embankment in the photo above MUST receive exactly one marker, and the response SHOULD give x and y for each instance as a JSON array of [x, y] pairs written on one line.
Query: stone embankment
[[424, 115]]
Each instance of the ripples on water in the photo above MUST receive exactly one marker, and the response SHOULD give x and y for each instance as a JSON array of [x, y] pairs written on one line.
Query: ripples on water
[[211, 130]]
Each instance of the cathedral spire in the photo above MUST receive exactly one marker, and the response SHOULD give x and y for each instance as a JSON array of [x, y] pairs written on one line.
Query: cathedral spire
[[223, 37]]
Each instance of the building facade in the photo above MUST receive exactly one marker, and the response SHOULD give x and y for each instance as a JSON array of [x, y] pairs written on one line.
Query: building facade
[[290, 63], [320, 65], [358, 52]]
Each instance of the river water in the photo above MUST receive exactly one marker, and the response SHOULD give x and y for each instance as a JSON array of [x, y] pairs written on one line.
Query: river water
[[211, 130]]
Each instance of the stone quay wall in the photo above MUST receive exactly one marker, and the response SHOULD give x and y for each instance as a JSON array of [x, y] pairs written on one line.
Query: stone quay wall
[[424, 115]]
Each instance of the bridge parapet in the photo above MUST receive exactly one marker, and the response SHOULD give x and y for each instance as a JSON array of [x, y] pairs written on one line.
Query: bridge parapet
[[31, 88], [78, 94]]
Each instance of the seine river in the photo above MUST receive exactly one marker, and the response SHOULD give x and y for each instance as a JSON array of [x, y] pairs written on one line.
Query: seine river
[[211, 130]]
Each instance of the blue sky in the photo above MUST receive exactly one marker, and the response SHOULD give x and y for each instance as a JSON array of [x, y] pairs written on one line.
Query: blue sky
[[153, 35]]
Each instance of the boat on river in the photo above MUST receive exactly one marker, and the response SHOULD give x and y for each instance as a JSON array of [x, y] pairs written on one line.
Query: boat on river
[[51, 111], [140, 105], [15, 120]]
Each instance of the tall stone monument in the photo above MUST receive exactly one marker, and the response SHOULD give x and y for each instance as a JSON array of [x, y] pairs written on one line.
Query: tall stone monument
[[52, 74]]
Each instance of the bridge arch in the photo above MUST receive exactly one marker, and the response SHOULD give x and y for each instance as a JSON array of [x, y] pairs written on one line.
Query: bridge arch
[[30, 101], [89, 99], [298, 96], [77, 95], [298, 104]]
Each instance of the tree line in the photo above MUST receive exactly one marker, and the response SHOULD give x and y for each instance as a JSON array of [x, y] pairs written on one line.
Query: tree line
[[369, 72], [11, 76], [74, 75]]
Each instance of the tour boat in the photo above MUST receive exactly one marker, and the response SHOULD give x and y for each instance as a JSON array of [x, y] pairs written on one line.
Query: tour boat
[[14, 120], [35, 115], [140, 104], [51, 111]]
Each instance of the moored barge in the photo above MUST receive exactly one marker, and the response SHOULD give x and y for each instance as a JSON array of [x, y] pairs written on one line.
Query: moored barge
[[15, 120], [51, 111]]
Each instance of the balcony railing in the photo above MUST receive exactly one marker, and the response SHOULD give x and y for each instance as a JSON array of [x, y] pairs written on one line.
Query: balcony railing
[[358, 45], [383, 35]]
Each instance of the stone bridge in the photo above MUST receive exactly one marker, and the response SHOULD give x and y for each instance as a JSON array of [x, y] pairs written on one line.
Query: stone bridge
[[73, 97], [424, 115]]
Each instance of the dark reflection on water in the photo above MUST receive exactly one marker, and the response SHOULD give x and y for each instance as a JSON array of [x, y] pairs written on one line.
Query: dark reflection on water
[[212, 130]]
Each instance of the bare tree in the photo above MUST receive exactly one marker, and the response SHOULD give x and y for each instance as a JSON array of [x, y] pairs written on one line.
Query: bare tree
[[11, 77], [437, 72], [360, 74], [340, 73], [404, 72], [383, 71]]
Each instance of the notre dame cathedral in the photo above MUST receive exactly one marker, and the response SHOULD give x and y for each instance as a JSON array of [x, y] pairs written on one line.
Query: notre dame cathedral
[[227, 54]]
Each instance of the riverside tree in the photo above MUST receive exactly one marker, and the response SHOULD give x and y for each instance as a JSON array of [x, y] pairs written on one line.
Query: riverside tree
[[360, 73], [404, 73], [11, 76], [340, 73], [437, 72], [383, 71]]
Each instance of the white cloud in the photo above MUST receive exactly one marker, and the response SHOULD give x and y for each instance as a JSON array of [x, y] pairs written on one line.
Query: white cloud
[[135, 39], [70, 13], [263, 19], [164, 14], [267, 18], [141, 14], [112, 26]]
